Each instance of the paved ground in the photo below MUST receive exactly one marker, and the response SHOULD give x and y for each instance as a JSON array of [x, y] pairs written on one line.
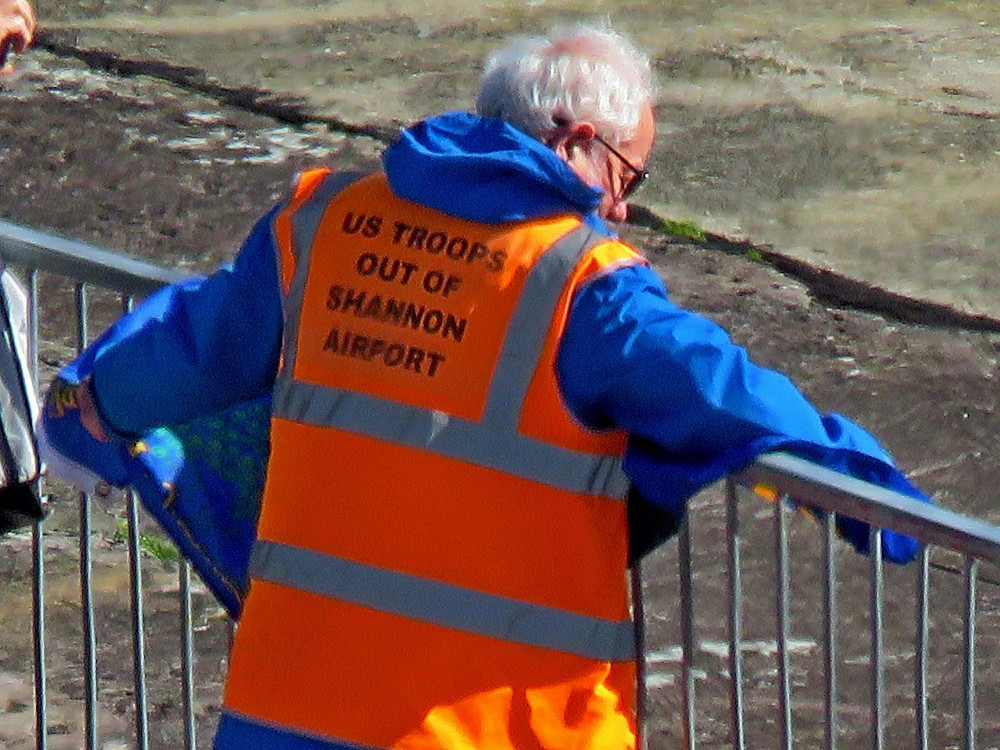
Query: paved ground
[[864, 143]]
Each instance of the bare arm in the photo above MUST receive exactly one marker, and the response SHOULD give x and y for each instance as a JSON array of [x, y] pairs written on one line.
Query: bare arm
[[17, 28]]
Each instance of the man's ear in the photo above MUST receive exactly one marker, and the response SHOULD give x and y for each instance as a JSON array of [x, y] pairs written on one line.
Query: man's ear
[[568, 137], [580, 134]]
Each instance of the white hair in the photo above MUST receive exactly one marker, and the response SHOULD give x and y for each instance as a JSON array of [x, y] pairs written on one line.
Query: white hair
[[583, 73]]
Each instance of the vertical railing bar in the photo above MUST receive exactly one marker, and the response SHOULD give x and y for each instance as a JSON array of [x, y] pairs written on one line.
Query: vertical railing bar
[[687, 634], [37, 552], [830, 631], [138, 613], [923, 649], [969, 671], [138, 620], [639, 629], [32, 290], [784, 679], [86, 569], [32, 284], [38, 635], [877, 672], [187, 654], [735, 617]]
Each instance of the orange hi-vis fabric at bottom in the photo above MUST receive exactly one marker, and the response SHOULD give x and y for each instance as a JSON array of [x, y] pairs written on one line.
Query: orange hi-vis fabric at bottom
[[441, 555], [380, 680]]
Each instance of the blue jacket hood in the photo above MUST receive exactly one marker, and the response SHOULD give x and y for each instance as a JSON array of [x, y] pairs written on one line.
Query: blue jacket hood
[[484, 170]]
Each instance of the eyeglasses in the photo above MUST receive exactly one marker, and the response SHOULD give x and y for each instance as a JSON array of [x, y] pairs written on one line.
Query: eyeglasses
[[638, 177]]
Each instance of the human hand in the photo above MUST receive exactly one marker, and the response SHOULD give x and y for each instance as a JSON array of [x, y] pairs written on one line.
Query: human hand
[[17, 29], [896, 548], [71, 450], [88, 411]]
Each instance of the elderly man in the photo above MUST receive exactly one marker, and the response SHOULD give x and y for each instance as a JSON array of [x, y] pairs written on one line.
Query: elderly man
[[17, 27], [468, 369]]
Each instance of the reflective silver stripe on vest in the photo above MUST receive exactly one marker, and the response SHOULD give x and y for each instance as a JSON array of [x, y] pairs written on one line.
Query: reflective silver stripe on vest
[[443, 604], [493, 442], [305, 224], [451, 437]]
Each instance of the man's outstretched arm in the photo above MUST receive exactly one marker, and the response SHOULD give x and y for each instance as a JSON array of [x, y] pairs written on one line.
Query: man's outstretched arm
[[695, 406]]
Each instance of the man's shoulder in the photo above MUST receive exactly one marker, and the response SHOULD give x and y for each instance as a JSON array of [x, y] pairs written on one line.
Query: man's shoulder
[[613, 249]]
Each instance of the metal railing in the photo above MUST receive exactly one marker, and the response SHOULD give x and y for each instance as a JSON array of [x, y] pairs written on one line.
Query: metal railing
[[36, 252], [922, 692], [976, 542], [690, 706]]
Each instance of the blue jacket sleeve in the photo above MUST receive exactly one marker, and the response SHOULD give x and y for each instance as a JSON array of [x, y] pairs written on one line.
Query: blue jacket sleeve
[[196, 347], [695, 406]]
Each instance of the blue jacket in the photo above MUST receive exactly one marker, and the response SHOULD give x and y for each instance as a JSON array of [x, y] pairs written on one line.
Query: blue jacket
[[695, 406]]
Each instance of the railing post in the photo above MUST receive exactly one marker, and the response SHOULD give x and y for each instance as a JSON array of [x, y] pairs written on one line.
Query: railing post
[[830, 630], [969, 666], [877, 672], [735, 616], [37, 551], [86, 571], [781, 603], [687, 635], [138, 622], [187, 654], [923, 649], [639, 625]]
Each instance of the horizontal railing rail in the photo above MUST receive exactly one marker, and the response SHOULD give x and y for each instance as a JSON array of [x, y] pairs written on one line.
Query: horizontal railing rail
[[931, 524], [81, 262]]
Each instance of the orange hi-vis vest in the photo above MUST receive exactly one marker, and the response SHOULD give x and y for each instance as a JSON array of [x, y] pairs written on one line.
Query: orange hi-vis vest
[[442, 549]]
